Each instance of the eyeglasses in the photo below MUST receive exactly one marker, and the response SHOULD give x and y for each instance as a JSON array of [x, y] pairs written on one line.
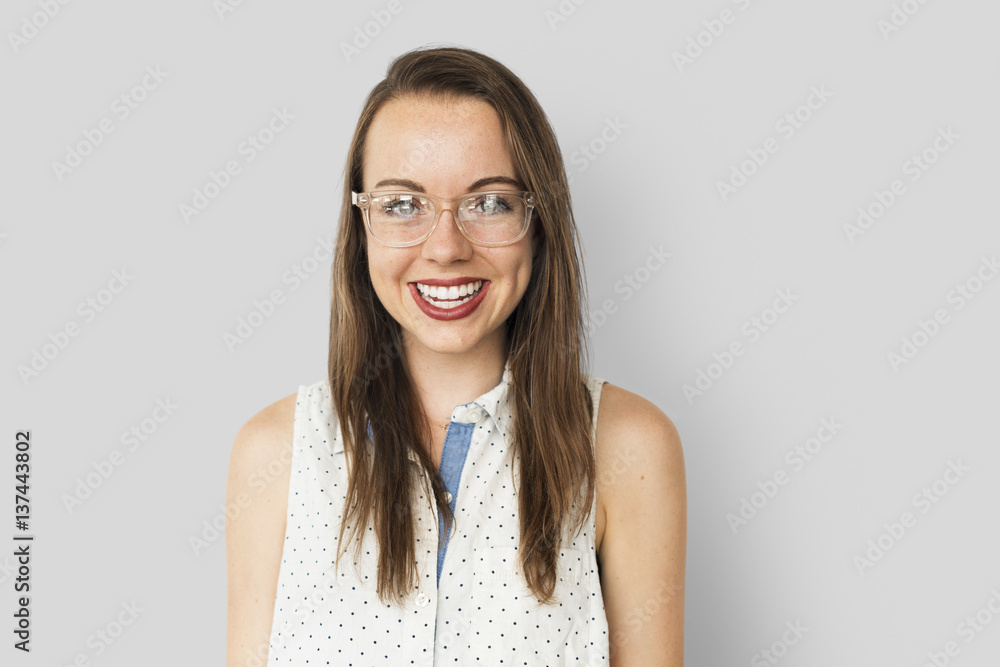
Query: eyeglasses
[[403, 219]]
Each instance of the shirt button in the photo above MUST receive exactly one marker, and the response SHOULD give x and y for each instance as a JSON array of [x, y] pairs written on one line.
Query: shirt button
[[447, 496], [422, 600], [473, 415]]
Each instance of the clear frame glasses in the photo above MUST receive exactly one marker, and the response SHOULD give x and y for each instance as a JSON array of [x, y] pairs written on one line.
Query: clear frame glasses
[[401, 219]]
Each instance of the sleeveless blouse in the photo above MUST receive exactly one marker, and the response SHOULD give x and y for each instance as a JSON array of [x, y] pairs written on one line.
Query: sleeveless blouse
[[478, 608]]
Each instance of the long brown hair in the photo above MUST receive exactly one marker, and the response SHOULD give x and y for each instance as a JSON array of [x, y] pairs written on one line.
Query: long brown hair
[[547, 347]]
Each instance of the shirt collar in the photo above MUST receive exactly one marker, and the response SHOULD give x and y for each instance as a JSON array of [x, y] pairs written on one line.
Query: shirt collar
[[495, 402]]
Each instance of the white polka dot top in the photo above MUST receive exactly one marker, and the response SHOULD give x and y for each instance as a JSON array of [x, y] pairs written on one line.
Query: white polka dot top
[[472, 606]]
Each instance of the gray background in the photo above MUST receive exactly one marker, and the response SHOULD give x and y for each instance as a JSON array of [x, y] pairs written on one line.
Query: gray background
[[680, 131]]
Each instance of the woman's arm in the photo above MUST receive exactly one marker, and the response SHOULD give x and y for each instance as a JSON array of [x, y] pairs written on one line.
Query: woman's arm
[[642, 557], [255, 537]]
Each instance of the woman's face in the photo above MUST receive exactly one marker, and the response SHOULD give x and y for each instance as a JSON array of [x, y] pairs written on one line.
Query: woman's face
[[445, 148]]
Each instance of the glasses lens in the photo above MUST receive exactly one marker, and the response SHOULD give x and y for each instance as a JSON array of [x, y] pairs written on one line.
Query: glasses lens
[[493, 217], [403, 218], [400, 218]]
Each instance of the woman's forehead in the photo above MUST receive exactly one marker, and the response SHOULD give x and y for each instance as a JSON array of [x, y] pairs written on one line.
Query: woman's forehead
[[435, 140]]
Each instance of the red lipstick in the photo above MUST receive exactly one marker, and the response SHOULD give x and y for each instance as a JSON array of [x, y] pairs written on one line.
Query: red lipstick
[[447, 314]]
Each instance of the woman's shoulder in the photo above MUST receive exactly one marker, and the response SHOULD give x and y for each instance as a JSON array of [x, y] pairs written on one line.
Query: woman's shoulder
[[634, 435], [268, 428], [267, 435], [622, 412], [264, 438]]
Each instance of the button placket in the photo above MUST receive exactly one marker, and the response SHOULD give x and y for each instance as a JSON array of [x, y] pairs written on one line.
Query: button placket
[[421, 620]]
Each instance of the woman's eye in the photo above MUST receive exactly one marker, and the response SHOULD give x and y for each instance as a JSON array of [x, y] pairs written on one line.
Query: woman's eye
[[492, 204], [401, 207]]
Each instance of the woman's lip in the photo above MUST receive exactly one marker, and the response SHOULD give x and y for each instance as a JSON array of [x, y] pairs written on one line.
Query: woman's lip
[[449, 282], [447, 314]]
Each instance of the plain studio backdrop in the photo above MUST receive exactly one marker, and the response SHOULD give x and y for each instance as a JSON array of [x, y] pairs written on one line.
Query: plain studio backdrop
[[788, 216]]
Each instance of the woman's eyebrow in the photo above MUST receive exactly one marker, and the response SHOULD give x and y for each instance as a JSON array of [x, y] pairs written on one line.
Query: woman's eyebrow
[[403, 182], [478, 185], [491, 180]]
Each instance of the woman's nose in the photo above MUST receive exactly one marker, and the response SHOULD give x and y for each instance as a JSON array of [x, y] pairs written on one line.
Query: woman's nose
[[447, 243]]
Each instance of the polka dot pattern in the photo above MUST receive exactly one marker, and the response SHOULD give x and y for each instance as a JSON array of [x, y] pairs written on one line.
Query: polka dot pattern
[[480, 612]]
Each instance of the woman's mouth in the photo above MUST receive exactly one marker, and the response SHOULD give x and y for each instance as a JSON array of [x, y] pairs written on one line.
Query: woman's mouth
[[449, 302], [449, 297]]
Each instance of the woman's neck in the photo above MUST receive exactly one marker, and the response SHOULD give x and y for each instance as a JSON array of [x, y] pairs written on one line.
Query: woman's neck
[[443, 381]]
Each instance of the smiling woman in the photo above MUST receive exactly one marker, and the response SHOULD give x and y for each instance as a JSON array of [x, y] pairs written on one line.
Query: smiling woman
[[496, 502], [467, 154]]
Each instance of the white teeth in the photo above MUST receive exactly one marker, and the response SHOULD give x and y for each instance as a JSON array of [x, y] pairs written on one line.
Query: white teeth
[[436, 294]]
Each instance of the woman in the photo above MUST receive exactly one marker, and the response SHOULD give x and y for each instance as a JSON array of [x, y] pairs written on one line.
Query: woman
[[457, 490]]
